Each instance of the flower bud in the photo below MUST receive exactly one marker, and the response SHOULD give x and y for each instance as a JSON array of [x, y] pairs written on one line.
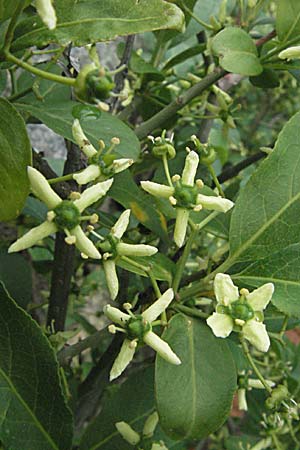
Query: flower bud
[[150, 425], [127, 433], [92, 84], [279, 394], [290, 53], [46, 12]]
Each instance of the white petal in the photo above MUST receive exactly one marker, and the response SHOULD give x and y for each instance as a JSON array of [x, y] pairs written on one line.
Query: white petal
[[89, 174], [150, 425], [158, 307], [115, 315], [122, 360], [33, 236], [257, 384], [259, 298], [93, 194], [84, 244], [256, 333], [214, 203], [190, 169], [225, 291], [221, 324], [158, 190], [161, 347], [42, 189], [121, 224], [182, 217], [46, 12], [111, 276], [82, 141], [121, 164], [135, 249], [128, 433], [242, 401]]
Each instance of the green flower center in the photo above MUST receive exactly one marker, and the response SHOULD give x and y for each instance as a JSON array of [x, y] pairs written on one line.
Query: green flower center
[[67, 215], [137, 327], [241, 310], [104, 162], [186, 196], [109, 245]]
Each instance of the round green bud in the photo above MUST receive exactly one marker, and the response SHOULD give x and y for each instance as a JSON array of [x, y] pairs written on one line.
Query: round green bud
[[241, 310], [137, 327], [208, 156], [67, 215], [164, 148], [91, 83], [279, 394], [186, 196]]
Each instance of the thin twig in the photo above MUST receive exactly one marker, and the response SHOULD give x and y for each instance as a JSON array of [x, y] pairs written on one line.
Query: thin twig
[[120, 76]]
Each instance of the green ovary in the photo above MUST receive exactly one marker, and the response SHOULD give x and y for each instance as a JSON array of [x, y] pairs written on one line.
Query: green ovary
[[186, 196], [137, 327], [241, 310], [67, 215]]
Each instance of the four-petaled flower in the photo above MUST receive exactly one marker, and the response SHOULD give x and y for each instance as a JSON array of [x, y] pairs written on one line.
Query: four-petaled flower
[[63, 215], [185, 196], [241, 312], [138, 329], [113, 247], [100, 166]]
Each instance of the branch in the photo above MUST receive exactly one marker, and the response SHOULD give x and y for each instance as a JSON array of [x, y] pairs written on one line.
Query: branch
[[64, 256], [120, 76], [233, 171], [158, 120]]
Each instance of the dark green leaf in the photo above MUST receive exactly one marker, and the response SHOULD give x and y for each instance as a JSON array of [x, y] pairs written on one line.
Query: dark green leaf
[[31, 396], [194, 398], [58, 115], [265, 230], [89, 21], [15, 152], [237, 52], [14, 267], [268, 79], [125, 191], [183, 56], [132, 402]]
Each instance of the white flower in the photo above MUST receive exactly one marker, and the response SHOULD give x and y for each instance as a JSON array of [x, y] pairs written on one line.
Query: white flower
[[138, 329], [100, 167], [245, 384], [243, 312], [113, 247], [64, 215], [185, 196], [46, 12]]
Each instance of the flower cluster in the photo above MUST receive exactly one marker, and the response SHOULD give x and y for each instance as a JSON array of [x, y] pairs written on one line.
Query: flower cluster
[[63, 215], [100, 167], [138, 329], [185, 195], [242, 312]]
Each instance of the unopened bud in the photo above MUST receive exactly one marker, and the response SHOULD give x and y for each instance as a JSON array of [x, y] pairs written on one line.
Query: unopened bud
[[127, 433], [290, 53]]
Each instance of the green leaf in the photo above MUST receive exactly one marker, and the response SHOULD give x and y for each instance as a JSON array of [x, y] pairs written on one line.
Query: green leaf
[[268, 79], [162, 267], [15, 154], [198, 406], [31, 396], [184, 56], [288, 19], [7, 8], [132, 402], [13, 267], [125, 191], [265, 231], [237, 52], [57, 115], [87, 21]]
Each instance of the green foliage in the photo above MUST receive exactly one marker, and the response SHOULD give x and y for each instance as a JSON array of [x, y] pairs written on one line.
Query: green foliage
[[288, 19], [194, 399], [15, 157], [237, 52], [86, 22], [264, 241], [28, 370]]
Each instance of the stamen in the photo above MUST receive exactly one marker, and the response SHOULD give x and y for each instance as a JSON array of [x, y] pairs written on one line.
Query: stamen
[[172, 200], [50, 216], [84, 256], [244, 292], [175, 178], [199, 183], [133, 344], [197, 208], [74, 195]]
